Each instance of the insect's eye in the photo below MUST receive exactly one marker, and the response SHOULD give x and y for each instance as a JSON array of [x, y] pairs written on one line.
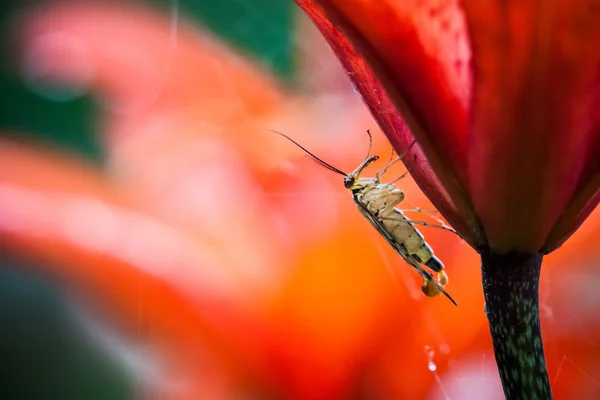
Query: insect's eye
[[348, 182]]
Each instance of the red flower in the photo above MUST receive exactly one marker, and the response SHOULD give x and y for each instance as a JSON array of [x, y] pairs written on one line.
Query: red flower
[[502, 98]]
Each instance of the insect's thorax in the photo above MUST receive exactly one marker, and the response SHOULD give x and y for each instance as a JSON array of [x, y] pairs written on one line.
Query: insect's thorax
[[377, 197], [363, 185]]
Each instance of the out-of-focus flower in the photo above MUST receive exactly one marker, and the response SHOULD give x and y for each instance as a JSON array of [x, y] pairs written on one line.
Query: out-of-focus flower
[[208, 241], [501, 97], [221, 257]]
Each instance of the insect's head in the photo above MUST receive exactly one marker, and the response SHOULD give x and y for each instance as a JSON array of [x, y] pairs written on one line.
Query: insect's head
[[352, 181], [349, 181]]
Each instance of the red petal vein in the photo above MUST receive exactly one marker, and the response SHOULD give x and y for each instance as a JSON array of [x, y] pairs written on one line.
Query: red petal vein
[[534, 102]]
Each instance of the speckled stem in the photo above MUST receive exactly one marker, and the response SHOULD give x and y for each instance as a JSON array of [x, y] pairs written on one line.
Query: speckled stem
[[510, 287]]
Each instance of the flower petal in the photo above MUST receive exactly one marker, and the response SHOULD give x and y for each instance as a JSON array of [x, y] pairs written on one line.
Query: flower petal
[[431, 96], [140, 64], [583, 202], [579, 209], [103, 242], [534, 115]]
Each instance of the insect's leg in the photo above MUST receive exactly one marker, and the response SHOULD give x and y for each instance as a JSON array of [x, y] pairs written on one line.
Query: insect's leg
[[390, 162], [387, 217], [418, 209], [400, 177], [434, 226], [392, 155], [385, 168]]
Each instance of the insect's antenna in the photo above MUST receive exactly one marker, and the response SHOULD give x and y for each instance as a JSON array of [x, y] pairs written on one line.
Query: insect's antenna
[[370, 143], [317, 159]]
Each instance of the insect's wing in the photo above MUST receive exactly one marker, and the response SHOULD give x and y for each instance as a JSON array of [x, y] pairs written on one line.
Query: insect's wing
[[400, 249]]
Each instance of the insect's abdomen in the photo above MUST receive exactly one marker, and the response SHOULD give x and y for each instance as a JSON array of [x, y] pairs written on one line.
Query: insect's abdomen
[[414, 242], [380, 200], [435, 264]]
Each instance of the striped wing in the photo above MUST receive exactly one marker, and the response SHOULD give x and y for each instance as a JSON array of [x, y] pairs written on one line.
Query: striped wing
[[400, 249]]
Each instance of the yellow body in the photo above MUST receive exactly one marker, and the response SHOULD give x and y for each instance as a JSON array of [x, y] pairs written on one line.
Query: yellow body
[[377, 202], [380, 201]]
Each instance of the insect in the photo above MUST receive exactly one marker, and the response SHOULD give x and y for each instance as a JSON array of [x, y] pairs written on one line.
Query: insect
[[377, 202]]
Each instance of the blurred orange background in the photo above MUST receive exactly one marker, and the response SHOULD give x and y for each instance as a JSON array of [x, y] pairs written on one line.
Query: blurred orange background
[[209, 259]]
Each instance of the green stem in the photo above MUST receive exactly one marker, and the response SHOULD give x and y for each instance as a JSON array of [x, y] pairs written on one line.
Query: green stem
[[510, 287]]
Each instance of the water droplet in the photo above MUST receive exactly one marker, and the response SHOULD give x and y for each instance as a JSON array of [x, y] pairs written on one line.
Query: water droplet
[[430, 354], [431, 366]]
